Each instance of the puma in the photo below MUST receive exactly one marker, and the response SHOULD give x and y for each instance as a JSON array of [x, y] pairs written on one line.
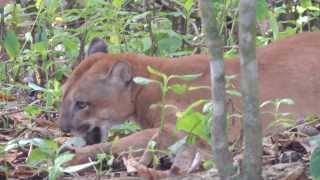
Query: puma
[[101, 93]]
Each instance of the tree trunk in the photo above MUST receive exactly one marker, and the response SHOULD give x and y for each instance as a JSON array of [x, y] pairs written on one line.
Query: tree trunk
[[222, 156], [251, 167]]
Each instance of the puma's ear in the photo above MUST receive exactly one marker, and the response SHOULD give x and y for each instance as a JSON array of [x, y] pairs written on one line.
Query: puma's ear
[[97, 45], [121, 72]]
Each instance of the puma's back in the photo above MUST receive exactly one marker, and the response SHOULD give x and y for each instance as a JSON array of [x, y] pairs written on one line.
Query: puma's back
[[100, 92]]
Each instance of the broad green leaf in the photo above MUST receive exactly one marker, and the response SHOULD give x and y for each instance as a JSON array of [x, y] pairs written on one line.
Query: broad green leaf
[[306, 3], [178, 88], [262, 10], [169, 44], [46, 145], [51, 6], [37, 156], [125, 128], [143, 80], [117, 3], [63, 158], [186, 77], [315, 163], [11, 44], [194, 123], [188, 6], [146, 44], [32, 110], [39, 4]]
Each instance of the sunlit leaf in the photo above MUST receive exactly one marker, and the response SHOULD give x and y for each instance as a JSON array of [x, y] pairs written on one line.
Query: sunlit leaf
[[143, 80], [187, 77]]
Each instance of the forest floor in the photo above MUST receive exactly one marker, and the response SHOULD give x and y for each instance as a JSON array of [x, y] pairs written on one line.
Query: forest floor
[[286, 155]]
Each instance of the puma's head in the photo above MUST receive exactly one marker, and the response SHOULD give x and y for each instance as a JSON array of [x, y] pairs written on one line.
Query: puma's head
[[96, 100]]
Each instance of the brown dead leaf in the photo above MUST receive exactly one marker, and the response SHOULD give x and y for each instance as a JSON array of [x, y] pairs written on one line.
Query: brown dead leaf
[[4, 97]]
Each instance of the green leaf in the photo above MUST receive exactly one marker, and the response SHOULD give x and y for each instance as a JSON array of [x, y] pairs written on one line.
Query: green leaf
[[46, 145], [178, 88], [35, 87], [194, 123], [143, 80], [188, 6], [186, 77], [233, 93], [117, 3], [306, 3], [169, 45], [155, 72], [37, 156], [262, 10], [11, 44], [32, 110], [125, 128], [54, 172], [287, 101], [315, 163], [63, 158]]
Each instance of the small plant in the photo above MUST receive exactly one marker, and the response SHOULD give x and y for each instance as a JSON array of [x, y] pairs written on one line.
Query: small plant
[[198, 124], [280, 118], [46, 155], [163, 83], [124, 129]]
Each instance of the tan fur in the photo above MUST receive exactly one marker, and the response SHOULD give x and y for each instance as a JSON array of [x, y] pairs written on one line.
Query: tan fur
[[287, 68]]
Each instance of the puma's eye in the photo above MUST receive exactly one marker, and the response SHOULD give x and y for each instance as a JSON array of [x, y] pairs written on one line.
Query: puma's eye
[[81, 104]]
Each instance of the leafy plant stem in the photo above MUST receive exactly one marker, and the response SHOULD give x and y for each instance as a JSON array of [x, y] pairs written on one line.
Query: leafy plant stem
[[164, 90]]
